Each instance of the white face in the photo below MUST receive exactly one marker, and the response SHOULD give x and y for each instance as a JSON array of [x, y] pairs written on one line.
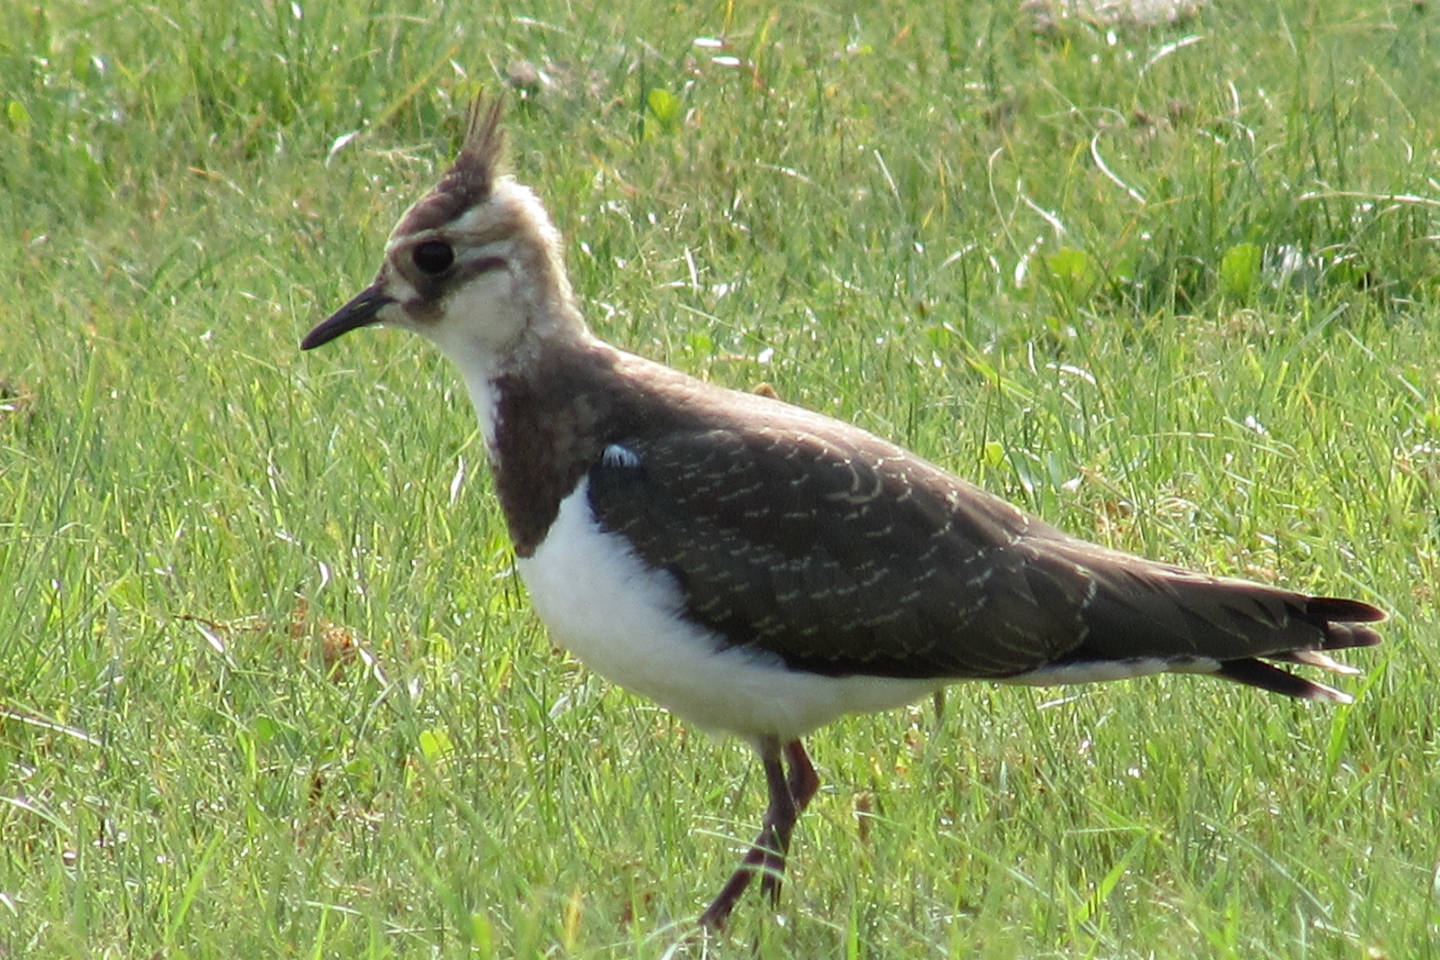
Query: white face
[[454, 283], [479, 317]]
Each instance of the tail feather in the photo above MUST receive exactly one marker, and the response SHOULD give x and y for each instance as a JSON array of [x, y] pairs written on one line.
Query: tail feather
[[1342, 623], [1154, 613], [1341, 635], [1258, 673], [1315, 658], [1345, 612]]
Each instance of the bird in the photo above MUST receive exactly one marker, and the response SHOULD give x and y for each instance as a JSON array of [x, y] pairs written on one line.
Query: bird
[[760, 569]]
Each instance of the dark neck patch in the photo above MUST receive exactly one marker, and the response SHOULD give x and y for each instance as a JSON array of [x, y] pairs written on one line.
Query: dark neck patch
[[553, 423]]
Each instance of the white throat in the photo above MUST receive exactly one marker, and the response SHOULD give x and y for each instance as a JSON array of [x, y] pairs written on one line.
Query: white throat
[[498, 323], [480, 333], [484, 397]]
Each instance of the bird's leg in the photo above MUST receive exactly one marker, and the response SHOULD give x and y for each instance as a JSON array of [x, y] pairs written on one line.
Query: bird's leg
[[801, 786], [787, 799], [803, 781]]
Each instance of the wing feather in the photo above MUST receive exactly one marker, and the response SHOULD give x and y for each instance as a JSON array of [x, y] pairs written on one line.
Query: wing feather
[[841, 554]]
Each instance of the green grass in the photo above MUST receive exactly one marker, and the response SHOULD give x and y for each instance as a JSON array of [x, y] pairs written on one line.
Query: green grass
[[1174, 289]]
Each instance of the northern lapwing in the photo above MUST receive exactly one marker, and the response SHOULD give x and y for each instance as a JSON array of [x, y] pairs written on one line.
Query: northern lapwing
[[760, 569]]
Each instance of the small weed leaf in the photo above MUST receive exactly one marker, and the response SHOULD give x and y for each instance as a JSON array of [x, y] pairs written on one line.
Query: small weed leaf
[[264, 728], [700, 344], [1073, 270], [482, 934], [436, 745], [665, 111], [1240, 270], [18, 118]]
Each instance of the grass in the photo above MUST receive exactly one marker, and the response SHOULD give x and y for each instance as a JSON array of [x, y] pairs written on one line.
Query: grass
[[268, 686]]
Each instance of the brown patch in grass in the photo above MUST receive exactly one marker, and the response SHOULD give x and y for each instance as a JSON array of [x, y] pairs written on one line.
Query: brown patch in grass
[[333, 645], [765, 389], [17, 401]]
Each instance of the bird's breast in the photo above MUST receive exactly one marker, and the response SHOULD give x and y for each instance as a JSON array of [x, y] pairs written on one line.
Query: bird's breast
[[626, 621]]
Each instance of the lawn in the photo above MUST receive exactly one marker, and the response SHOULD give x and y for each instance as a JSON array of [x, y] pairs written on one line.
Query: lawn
[[269, 686]]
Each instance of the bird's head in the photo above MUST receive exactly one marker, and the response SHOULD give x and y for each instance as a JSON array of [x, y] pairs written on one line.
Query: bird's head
[[474, 266]]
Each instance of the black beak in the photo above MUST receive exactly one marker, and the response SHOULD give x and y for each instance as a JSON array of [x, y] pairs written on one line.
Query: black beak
[[360, 312]]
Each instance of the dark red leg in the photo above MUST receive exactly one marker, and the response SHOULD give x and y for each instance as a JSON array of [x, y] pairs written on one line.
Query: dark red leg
[[801, 786], [804, 781], [788, 796]]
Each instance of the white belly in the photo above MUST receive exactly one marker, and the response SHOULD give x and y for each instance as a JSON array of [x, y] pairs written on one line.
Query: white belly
[[623, 620]]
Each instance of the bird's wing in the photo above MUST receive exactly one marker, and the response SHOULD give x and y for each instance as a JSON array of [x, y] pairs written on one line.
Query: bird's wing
[[841, 557], [842, 554]]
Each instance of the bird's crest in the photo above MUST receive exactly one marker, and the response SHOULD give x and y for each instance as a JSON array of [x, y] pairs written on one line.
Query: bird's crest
[[472, 177], [470, 180]]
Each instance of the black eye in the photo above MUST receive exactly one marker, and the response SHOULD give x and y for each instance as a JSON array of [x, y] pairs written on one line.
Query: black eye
[[433, 256]]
